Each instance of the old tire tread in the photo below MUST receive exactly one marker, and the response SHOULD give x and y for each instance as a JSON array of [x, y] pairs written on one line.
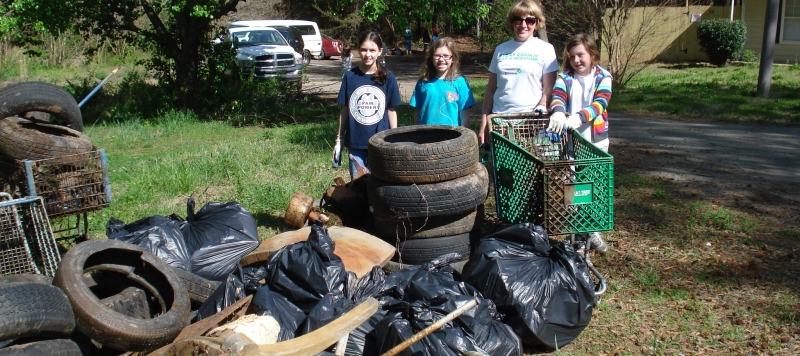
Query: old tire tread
[[198, 287], [57, 347], [23, 97], [419, 251], [430, 162], [452, 197], [421, 228], [106, 326], [34, 309], [21, 139]]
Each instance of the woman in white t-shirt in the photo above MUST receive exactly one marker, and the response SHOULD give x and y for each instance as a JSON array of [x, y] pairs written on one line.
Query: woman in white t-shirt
[[523, 70]]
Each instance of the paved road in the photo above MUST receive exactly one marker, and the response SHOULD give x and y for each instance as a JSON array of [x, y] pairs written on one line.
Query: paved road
[[708, 151]]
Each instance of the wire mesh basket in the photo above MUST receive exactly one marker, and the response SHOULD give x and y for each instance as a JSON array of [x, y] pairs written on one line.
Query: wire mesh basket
[[27, 244], [564, 183], [68, 185]]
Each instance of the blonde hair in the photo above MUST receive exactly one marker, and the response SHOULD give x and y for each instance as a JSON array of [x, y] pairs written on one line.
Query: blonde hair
[[429, 69], [525, 7], [588, 42]]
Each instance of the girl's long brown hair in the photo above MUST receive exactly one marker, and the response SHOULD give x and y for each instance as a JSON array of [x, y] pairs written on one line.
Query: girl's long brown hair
[[588, 42], [381, 74], [429, 69]]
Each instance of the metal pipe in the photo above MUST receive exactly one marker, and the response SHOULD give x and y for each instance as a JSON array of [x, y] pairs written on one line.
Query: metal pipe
[[431, 328], [98, 86]]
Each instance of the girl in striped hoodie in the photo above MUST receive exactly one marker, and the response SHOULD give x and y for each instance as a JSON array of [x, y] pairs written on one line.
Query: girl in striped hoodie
[[580, 100], [582, 92]]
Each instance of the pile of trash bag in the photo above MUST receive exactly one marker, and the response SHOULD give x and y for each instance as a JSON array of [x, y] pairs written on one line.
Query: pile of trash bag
[[546, 293], [209, 243], [527, 292], [416, 297]]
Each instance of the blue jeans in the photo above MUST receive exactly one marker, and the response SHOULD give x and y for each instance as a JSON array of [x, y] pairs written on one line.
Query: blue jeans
[[358, 156]]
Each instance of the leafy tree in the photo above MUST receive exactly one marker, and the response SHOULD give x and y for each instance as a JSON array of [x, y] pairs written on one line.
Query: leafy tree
[[176, 32], [352, 16]]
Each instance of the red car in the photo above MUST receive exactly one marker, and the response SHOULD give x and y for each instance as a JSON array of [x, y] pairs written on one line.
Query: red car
[[330, 47]]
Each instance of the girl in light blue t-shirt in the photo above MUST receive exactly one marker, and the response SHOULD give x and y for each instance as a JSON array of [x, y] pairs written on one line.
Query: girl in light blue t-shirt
[[442, 96]]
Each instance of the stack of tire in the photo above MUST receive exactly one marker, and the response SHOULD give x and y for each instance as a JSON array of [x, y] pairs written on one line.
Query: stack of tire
[[40, 121], [426, 190], [35, 317]]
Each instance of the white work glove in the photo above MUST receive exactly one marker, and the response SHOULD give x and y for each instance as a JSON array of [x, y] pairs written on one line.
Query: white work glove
[[557, 121], [337, 154], [540, 109], [574, 121]]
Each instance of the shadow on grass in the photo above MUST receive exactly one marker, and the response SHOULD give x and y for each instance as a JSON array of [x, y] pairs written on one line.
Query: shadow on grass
[[272, 222], [729, 243]]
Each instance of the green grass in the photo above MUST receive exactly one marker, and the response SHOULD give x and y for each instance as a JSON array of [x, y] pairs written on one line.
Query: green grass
[[711, 93]]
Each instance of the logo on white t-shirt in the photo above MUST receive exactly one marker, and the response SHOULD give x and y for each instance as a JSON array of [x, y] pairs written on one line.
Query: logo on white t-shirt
[[367, 105]]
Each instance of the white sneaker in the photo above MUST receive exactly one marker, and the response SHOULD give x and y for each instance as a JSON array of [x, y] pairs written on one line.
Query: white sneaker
[[595, 242]]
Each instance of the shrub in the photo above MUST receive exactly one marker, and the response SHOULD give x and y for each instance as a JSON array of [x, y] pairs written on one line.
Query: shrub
[[721, 39]]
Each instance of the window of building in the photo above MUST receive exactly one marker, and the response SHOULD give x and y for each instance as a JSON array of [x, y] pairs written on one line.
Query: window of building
[[790, 21]]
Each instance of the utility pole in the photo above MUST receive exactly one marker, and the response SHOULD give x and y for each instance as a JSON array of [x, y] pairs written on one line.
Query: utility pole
[[768, 48]]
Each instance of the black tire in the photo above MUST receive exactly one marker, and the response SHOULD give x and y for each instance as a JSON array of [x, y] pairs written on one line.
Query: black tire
[[306, 57], [198, 287], [57, 347], [111, 328], [422, 228], [452, 197], [19, 98], [22, 139], [423, 153], [34, 309], [27, 277], [419, 251]]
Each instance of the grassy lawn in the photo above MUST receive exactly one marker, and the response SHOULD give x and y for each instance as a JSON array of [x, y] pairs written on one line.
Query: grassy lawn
[[711, 93], [685, 276]]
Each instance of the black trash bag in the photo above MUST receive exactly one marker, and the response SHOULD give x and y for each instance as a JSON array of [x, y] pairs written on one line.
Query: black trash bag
[[288, 315], [362, 340], [415, 279], [239, 284], [304, 272], [330, 307], [158, 234], [226, 294], [546, 293], [478, 329], [418, 296], [368, 286], [217, 237]]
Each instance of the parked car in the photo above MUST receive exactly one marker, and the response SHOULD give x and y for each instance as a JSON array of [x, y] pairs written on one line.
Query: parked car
[[295, 39], [308, 29], [264, 53], [330, 47]]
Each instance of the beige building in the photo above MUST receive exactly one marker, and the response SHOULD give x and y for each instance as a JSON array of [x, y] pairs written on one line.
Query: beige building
[[669, 34], [787, 46]]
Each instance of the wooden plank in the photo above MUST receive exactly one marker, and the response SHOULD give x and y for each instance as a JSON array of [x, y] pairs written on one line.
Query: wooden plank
[[358, 250], [203, 326], [322, 338]]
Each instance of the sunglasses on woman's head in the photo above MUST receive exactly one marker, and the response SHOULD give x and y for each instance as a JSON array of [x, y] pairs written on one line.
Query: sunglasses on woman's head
[[528, 20]]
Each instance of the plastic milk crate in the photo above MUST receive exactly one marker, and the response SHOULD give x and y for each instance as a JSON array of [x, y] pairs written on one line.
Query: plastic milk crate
[[537, 180]]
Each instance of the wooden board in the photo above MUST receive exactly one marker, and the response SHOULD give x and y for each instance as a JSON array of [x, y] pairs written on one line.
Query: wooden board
[[358, 250]]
